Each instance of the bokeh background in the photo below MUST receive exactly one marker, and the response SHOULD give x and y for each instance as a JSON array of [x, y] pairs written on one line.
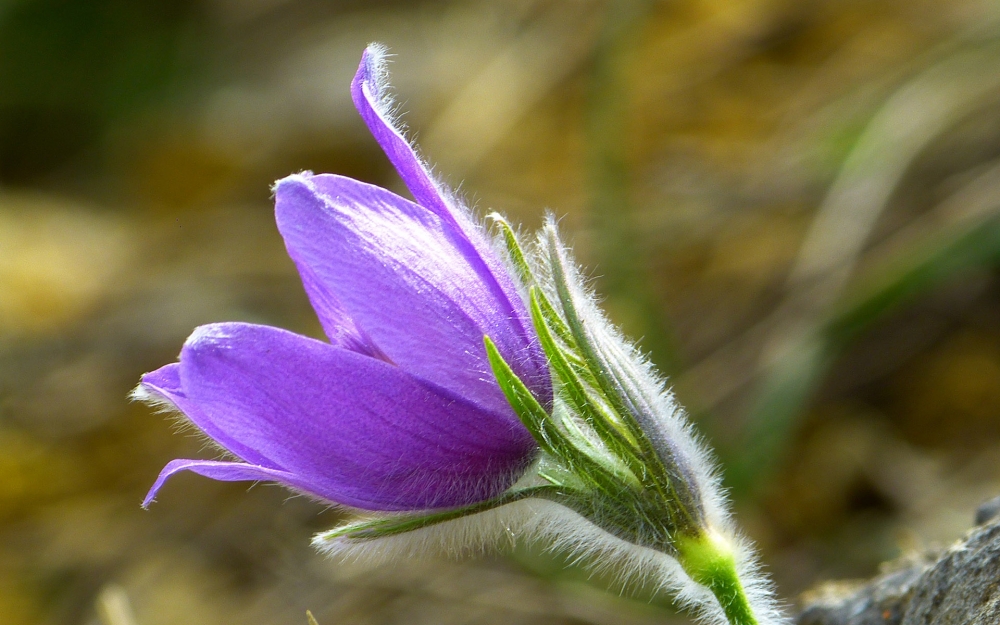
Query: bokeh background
[[794, 203]]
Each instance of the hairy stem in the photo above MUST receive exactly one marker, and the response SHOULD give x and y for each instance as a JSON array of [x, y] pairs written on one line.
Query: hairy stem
[[708, 558]]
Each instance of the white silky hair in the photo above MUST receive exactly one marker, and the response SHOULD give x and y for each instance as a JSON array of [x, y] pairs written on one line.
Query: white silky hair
[[670, 419], [560, 530], [154, 400], [385, 101], [671, 424], [180, 422]]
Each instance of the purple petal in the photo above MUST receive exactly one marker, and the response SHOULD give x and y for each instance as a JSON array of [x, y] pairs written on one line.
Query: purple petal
[[336, 322], [337, 424], [398, 271], [369, 90], [371, 98], [224, 472]]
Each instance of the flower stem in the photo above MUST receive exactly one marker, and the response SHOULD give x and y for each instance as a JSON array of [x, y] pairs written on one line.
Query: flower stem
[[708, 558]]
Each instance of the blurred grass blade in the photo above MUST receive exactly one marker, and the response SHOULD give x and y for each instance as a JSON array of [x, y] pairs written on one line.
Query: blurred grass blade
[[792, 381], [623, 264], [817, 319], [917, 273]]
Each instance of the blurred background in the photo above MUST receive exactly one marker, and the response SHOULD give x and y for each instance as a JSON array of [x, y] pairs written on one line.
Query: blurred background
[[794, 204]]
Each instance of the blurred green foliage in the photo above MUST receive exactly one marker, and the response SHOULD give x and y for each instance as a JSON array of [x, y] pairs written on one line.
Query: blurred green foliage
[[73, 70]]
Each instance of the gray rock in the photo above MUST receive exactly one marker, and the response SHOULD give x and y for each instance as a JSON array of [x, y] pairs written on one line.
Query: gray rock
[[988, 511], [958, 587]]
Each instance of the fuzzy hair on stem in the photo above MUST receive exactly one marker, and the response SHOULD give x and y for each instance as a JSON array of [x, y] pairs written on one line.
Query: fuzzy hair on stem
[[559, 530], [659, 415]]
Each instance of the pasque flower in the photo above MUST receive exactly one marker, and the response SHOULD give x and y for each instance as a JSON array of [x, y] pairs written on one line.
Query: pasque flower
[[399, 410], [470, 390]]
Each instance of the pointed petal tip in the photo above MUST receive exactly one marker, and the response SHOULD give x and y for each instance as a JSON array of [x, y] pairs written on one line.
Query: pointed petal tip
[[371, 91], [168, 471], [373, 69], [166, 377], [295, 197], [165, 473], [372, 97], [226, 471], [156, 388]]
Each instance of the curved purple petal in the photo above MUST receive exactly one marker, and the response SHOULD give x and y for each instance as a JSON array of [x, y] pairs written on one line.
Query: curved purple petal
[[398, 272], [369, 90], [337, 424], [224, 472], [371, 98]]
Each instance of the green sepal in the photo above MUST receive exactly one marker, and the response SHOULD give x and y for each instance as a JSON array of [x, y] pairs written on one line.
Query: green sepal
[[529, 411], [559, 327], [584, 401], [514, 250], [597, 363], [620, 389], [520, 262], [592, 467]]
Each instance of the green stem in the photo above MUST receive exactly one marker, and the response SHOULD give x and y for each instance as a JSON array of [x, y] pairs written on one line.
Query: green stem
[[708, 558]]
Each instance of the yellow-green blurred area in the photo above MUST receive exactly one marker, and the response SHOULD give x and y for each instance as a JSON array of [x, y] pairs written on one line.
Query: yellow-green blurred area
[[794, 204]]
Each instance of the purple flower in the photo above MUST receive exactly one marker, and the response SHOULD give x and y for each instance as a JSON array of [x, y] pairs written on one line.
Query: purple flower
[[400, 409]]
